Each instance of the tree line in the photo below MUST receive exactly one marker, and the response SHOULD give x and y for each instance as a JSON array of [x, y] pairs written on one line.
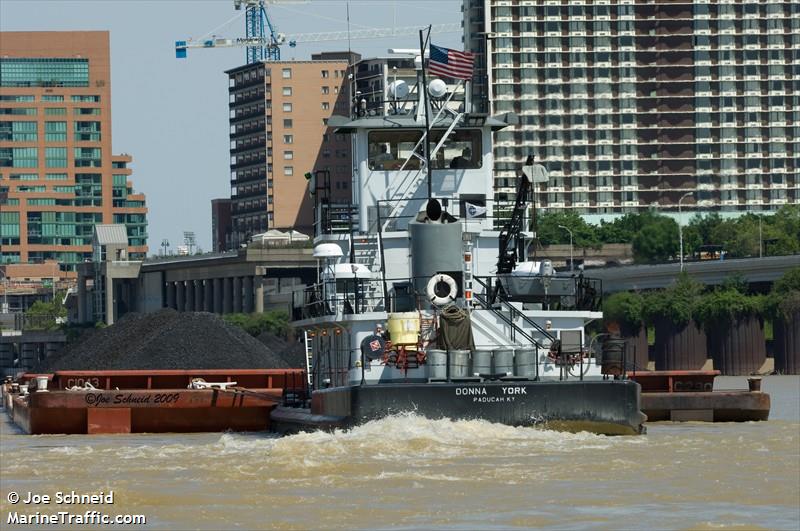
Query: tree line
[[710, 307], [655, 238]]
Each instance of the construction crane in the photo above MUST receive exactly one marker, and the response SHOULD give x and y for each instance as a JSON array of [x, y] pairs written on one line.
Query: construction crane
[[266, 47], [260, 46]]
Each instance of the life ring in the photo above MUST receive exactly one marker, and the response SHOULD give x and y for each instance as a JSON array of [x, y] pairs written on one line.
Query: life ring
[[436, 289]]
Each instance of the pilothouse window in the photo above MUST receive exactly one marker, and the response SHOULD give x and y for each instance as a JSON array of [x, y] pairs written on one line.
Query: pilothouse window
[[388, 150], [461, 150]]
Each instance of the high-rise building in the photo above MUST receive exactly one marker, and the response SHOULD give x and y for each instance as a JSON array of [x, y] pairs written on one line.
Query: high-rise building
[[633, 105], [58, 177], [279, 112], [220, 224]]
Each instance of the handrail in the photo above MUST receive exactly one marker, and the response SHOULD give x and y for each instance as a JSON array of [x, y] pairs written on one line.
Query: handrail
[[508, 320], [515, 312]]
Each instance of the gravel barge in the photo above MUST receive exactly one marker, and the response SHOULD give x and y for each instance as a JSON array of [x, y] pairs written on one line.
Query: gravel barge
[[160, 372], [95, 402]]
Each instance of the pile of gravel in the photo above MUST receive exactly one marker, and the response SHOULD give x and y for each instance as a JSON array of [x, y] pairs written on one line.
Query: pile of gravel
[[291, 352], [166, 340]]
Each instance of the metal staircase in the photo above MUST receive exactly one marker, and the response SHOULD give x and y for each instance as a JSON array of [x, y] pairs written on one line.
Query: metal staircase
[[366, 251], [500, 305]]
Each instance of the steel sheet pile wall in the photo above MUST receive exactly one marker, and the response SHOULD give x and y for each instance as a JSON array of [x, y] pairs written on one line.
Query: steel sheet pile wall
[[739, 349], [787, 344], [679, 347], [636, 356]]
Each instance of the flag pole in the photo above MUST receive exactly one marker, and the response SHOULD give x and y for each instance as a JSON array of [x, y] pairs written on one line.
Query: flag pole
[[423, 43]]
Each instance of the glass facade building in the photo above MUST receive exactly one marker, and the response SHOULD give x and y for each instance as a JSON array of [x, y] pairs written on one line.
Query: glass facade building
[[632, 104], [58, 177]]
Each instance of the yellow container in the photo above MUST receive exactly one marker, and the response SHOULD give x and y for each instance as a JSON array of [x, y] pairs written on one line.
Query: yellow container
[[404, 328]]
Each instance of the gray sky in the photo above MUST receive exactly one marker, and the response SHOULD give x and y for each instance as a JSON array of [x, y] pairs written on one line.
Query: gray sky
[[172, 115]]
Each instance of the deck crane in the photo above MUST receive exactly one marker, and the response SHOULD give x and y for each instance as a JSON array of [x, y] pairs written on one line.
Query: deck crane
[[266, 47]]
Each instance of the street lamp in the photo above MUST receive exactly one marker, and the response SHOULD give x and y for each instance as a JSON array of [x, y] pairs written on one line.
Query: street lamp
[[571, 261], [680, 223]]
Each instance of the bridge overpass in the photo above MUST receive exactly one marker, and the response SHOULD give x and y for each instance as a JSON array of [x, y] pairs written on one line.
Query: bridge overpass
[[712, 272]]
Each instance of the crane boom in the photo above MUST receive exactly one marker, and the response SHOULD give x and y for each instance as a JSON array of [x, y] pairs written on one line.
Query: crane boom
[[292, 40]]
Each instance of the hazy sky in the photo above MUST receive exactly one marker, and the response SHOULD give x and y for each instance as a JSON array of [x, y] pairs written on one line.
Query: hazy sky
[[172, 115]]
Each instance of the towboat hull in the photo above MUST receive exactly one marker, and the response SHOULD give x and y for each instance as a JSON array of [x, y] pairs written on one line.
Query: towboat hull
[[609, 407]]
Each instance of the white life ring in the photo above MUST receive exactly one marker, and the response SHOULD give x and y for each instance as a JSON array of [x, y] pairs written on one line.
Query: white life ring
[[430, 290]]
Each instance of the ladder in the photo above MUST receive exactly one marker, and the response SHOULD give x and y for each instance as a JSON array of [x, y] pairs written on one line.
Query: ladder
[[309, 355], [366, 251], [411, 181]]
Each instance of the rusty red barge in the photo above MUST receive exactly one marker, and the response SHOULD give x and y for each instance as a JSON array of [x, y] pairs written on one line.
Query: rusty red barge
[[690, 396], [94, 402]]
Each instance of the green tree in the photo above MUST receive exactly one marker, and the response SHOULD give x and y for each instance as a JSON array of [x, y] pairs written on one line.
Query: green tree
[[677, 304], [723, 306], [656, 241], [783, 231], [625, 309], [46, 315], [275, 322], [699, 232], [549, 232], [624, 228], [784, 299]]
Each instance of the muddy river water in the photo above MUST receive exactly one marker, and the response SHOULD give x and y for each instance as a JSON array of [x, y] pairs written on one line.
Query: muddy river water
[[409, 473]]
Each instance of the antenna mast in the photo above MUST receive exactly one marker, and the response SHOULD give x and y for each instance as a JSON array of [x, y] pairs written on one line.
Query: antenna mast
[[423, 44]]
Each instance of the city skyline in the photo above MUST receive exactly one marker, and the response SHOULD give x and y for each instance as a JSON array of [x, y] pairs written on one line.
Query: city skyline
[[172, 115]]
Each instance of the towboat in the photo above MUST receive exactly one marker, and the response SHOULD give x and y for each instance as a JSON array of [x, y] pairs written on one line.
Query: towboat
[[426, 304]]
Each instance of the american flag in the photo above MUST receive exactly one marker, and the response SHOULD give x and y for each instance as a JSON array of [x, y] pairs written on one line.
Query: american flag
[[451, 63]]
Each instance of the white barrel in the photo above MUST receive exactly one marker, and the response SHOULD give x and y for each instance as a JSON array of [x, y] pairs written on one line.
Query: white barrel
[[41, 384], [524, 362], [437, 361], [504, 361], [459, 363], [482, 362]]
